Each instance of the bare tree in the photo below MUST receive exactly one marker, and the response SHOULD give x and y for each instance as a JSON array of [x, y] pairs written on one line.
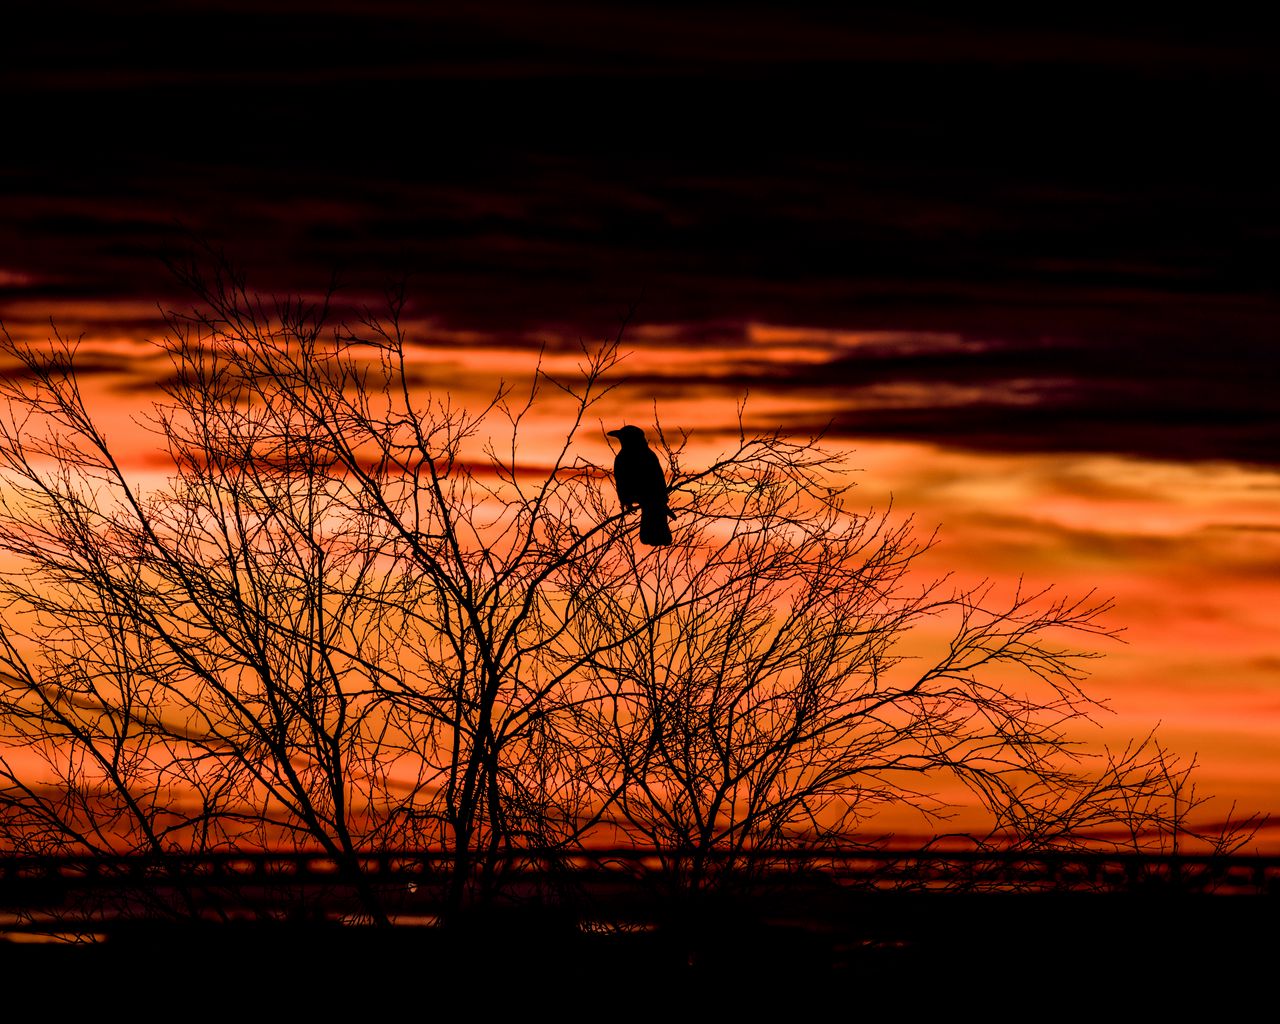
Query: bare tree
[[192, 662], [339, 625], [353, 619], [755, 690]]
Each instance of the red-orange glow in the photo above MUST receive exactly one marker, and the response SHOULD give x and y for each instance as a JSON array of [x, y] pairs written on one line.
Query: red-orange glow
[[1190, 553]]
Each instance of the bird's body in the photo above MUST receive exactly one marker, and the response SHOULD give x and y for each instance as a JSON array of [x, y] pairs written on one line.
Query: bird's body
[[638, 475]]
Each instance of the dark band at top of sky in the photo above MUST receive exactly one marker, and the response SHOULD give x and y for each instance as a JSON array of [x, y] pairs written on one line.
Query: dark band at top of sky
[[1098, 195]]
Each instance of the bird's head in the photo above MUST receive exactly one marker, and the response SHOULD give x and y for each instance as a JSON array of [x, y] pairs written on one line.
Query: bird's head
[[628, 435]]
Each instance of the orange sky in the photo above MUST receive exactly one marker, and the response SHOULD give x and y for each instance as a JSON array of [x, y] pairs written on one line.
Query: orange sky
[[1188, 551], [1020, 262]]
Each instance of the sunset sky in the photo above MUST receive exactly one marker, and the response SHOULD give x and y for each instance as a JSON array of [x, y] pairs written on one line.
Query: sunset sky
[[1025, 271]]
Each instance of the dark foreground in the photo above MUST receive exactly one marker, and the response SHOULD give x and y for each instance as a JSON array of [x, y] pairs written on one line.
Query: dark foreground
[[1055, 954]]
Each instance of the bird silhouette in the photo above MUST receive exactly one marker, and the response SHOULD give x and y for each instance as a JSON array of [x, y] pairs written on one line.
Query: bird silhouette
[[637, 473]]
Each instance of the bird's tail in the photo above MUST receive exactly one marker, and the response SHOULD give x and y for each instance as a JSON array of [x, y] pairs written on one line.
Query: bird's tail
[[653, 525]]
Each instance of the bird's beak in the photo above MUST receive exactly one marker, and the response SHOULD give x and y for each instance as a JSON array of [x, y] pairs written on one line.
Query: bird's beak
[[615, 433]]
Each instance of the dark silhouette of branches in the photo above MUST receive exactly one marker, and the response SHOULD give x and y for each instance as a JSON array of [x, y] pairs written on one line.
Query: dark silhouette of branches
[[350, 617]]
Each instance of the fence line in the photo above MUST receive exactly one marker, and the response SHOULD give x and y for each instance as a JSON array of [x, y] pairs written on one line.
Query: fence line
[[28, 881]]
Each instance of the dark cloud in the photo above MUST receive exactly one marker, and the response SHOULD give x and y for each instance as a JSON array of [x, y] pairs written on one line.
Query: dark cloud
[[1095, 202], [1180, 399]]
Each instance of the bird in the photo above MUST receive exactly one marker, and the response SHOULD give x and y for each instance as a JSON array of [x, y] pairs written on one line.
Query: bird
[[640, 481]]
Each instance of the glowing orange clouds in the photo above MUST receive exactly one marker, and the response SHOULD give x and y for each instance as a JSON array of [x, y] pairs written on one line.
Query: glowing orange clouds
[[1189, 551]]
